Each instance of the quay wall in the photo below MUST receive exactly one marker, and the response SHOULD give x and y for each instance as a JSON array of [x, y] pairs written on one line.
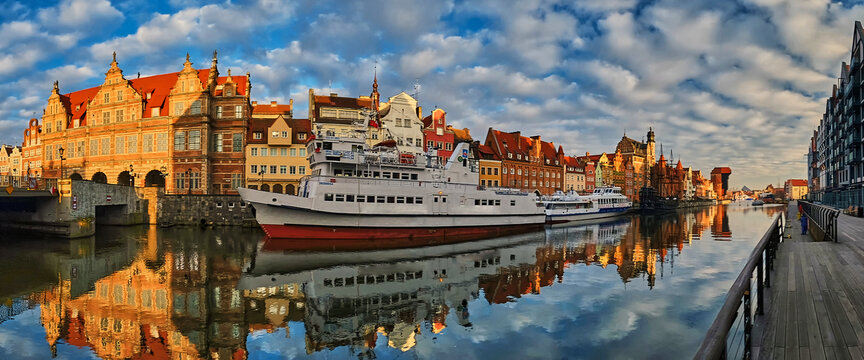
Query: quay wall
[[169, 209]]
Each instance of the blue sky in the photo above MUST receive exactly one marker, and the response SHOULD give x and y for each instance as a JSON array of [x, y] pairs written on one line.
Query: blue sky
[[735, 83]]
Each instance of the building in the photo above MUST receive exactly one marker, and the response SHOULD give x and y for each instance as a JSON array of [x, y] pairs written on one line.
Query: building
[[489, 164], [437, 135], [10, 160], [400, 122], [528, 164], [574, 174], [638, 158], [590, 179], [796, 189], [276, 149], [602, 172], [836, 152], [720, 179], [31, 150], [179, 130], [332, 115]]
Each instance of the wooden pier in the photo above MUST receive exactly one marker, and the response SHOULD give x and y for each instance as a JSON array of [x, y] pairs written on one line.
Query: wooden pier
[[815, 306]]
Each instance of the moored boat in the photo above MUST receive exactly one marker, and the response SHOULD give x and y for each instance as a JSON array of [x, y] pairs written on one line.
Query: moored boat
[[604, 202], [374, 197]]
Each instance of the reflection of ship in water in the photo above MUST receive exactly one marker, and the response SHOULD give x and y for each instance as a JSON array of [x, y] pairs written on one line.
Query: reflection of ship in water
[[199, 295]]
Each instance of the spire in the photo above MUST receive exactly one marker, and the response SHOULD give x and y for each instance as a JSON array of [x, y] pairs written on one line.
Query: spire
[[187, 66], [214, 73], [114, 67], [376, 98], [56, 89]]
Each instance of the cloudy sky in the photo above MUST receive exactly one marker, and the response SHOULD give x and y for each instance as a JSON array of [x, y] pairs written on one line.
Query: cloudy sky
[[735, 83]]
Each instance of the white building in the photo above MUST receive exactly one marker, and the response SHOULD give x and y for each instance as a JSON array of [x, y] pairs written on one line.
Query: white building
[[400, 122]]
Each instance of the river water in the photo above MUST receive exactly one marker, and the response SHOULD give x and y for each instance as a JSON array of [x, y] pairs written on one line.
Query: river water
[[633, 287]]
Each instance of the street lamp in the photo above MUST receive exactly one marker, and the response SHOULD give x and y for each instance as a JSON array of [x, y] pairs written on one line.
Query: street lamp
[[261, 182], [131, 175], [60, 151]]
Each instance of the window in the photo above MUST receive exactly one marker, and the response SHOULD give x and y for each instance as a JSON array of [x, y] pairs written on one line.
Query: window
[[253, 152], [430, 144], [257, 135], [238, 111], [237, 142], [154, 112], [236, 180], [179, 108], [301, 136], [120, 95], [195, 140], [273, 151], [253, 168], [94, 147], [293, 170], [148, 143], [106, 117], [218, 112], [195, 109], [119, 145], [218, 142], [272, 169], [301, 170], [293, 152], [302, 152], [132, 144], [162, 142], [284, 152], [283, 169], [285, 134], [180, 141], [448, 146], [106, 146], [275, 134], [106, 98], [80, 148], [495, 170], [119, 115]]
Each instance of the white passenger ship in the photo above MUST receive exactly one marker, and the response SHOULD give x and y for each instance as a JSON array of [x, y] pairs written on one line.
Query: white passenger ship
[[361, 197], [604, 202]]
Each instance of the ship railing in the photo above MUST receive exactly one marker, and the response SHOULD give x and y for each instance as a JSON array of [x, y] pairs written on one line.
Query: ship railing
[[730, 335], [824, 219]]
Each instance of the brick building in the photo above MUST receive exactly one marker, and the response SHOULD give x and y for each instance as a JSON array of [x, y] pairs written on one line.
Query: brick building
[[437, 135], [179, 130], [528, 164]]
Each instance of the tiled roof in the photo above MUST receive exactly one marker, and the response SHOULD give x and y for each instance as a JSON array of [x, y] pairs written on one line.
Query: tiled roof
[[797, 182], [271, 108], [159, 86], [460, 134]]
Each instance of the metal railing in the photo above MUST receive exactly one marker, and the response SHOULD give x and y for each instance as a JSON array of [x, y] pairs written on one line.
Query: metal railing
[[824, 217], [28, 183], [717, 344]]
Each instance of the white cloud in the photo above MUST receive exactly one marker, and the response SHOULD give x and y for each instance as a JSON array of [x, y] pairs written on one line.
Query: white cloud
[[81, 16], [437, 51]]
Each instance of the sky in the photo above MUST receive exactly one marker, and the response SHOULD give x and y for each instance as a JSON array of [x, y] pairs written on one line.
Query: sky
[[723, 83]]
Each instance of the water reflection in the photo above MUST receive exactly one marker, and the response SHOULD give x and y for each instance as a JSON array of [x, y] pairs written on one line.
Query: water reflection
[[192, 294]]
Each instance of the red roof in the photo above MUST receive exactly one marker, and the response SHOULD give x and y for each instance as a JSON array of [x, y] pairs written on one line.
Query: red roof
[[272, 108], [159, 86], [797, 182], [298, 126], [721, 170]]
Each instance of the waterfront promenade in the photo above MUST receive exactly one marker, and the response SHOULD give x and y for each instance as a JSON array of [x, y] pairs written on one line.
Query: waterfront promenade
[[815, 306]]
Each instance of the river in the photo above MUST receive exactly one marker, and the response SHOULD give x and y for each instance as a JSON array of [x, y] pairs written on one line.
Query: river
[[632, 287]]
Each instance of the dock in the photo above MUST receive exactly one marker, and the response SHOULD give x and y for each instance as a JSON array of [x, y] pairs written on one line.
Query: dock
[[815, 306]]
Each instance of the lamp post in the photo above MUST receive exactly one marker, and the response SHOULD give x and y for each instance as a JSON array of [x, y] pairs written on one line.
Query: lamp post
[[261, 181], [189, 178], [131, 176], [60, 151]]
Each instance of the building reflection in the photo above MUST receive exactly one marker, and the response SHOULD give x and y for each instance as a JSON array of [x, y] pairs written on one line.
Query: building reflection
[[188, 295]]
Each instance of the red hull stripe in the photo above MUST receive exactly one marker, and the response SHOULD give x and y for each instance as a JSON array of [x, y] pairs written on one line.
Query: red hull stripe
[[301, 237]]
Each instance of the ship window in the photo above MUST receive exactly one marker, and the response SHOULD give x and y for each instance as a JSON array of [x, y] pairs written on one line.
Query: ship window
[[512, 202], [391, 199], [497, 202], [377, 174], [361, 280], [400, 277], [400, 199], [370, 199], [477, 202], [349, 198], [390, 277], [418, 200], [380, 200], [483, 202], [409, 275], [340, 197], [337, 172], [413, 176], [328, 197], [409, 200], [328, 146], [328, 282], [379, 278], [361, 198], [418, 274], [443, 199], [338, 282], [349, 281], [370, 279], [386, 175], [435, 199], [406, 176]]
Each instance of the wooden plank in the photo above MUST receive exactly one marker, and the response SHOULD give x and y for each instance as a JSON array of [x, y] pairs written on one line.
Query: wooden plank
[[791, 275], [854, 320], [779, 353], [804, 353], [824, 321], [792, 325], [855, 352]]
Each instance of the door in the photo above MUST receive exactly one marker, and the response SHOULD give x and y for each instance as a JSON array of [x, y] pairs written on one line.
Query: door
[[439, 204]]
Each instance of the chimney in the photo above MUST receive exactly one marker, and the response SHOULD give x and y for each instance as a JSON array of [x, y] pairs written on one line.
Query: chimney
[[254, 103], [333, 94], [587, 153], [272, 104]]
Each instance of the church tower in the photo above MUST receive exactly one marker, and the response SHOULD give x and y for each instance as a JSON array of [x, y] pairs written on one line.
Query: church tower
[[650, 148]]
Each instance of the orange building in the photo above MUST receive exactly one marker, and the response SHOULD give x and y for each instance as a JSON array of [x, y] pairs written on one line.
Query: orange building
[[178, 130], [528, 164]]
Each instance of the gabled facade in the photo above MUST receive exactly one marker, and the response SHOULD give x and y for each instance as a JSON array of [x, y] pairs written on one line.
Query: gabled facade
[[489, 163], [638, 157], [180, 130], [574, 174], [438, 136], [528, 164], [276, 149], [795, 189], [400, 122]]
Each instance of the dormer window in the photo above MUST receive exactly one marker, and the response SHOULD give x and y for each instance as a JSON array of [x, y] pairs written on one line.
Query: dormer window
[[547, 161], [301, 136], [275, 134], [519, 156], [257, 135], [229, 91], [509, 155]]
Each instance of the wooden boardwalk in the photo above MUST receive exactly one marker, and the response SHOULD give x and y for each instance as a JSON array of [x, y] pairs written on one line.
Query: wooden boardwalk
[[815, 306]]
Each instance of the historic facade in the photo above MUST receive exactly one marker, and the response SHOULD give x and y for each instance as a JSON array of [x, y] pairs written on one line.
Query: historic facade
[[528, 164], [638, 158], [10, 160], [489, 164], [182, 130], [276, 149], [438, 136], [574, 174]]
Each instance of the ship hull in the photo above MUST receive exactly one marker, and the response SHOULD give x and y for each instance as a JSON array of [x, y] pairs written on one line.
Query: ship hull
[[602, 214], [305, 237]]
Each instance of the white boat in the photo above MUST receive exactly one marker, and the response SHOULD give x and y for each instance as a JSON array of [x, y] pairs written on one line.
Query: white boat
[[758, 202], [604, 202], [359, 196]]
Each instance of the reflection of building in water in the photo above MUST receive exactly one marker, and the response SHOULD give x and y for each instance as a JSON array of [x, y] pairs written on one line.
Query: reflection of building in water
[[720, 227], [161, 304]]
